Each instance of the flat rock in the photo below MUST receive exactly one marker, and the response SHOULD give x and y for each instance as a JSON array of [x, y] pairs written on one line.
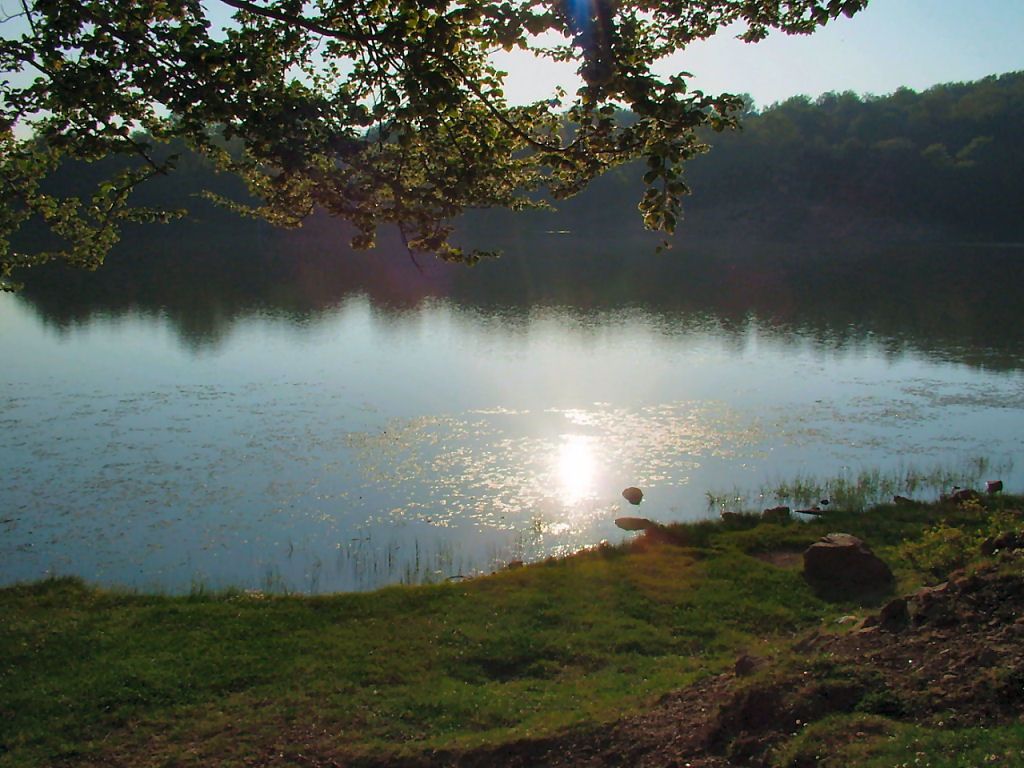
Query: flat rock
[[635, 523]]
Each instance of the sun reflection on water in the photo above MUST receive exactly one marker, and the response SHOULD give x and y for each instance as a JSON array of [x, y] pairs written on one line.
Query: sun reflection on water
[[576, 468]]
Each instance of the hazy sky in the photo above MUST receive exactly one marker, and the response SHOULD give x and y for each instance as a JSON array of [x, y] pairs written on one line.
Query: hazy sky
[[916, 43]]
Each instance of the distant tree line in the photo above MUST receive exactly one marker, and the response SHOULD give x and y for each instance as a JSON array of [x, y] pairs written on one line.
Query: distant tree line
[[949, 159], [945, 162]]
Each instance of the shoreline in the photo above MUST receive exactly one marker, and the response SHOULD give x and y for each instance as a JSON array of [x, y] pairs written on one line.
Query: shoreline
[[497, 668]]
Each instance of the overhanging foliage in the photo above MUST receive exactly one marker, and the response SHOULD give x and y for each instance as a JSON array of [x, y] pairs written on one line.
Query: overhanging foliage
[[379, 112]]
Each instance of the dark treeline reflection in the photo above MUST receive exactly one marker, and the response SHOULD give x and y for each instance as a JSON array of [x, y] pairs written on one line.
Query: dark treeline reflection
[[961, 302]]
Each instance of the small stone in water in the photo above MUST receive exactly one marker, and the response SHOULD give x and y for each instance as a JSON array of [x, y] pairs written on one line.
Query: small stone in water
[[633, 495]]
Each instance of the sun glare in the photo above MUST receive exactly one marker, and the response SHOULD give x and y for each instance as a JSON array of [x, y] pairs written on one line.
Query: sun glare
[[576, 468]]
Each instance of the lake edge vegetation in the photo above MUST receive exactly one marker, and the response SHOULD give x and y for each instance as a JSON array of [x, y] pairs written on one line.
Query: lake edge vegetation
[[105, 677]]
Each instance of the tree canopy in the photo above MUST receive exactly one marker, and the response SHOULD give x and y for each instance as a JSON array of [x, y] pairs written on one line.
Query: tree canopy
[[380, 112]]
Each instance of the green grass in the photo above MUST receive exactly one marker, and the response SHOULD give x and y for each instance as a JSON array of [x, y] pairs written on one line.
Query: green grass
[[869, 741], [923, 747], [89, 676]]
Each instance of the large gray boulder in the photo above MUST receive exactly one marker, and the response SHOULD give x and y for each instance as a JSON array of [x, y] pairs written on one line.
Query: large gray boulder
[[841, 566]]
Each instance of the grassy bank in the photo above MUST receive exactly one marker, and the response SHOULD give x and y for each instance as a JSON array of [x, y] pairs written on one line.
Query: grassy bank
[[93, 677]]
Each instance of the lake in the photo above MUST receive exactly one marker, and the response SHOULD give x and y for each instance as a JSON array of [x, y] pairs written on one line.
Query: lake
[[272, 412]]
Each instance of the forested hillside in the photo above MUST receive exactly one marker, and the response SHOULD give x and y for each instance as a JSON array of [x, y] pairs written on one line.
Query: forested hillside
[[947, 162], [949, 159]]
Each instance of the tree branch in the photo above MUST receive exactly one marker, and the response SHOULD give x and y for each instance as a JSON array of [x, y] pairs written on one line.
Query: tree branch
[[311, 25]]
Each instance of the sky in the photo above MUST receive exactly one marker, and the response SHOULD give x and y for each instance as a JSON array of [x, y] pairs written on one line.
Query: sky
[[892, 43]]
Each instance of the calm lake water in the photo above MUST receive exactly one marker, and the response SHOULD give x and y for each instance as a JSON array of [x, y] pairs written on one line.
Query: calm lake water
[[325, 422]]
